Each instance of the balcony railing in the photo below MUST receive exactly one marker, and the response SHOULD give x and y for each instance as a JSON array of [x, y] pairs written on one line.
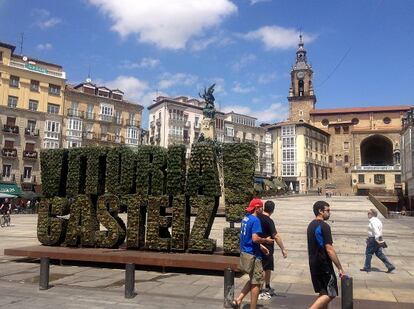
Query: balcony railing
[[9, 153], [231, 139], [90, 115], [89, 135], [75, 113], [26, 179], [30, 154], [106, 118], [29, 132], [132, 122], [12, 129], [8, 178], [375, 168]]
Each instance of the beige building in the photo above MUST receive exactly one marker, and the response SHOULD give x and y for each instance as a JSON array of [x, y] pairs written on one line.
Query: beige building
[[97, 115], [31, 116], [178, 121], [363, 143]]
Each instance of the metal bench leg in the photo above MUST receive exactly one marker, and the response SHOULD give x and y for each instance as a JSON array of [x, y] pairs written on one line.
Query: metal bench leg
[[228, 287], [347, 297], [44, 273], [130, 281]]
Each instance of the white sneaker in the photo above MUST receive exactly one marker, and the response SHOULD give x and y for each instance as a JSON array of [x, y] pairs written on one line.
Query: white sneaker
[[264, 296]]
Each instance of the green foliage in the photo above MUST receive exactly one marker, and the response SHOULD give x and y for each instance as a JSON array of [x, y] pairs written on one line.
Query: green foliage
[[231, 241], [95, 177], [180, 223], [50, 229], [202, 177], [239, 161], [76, 171], [82, 224], [136, 220], [128, 171], [107, 214], [53, 163], [176, 170], [158, 237], [151, 170], [206, 212]]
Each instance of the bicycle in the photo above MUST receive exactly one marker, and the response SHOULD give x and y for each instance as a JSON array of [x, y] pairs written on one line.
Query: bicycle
[[5, 219]]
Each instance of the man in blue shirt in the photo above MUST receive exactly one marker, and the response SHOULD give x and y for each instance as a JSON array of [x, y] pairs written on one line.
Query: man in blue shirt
[[251, 253]]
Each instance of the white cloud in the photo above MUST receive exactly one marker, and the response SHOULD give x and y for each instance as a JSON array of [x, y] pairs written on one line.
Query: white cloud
[[253, 2], [165, 23], [144, 63], [220, 85], [275, 37], [44, 47], [133, 88], [274, 113], [266, 78], [238, 88], [243, 62], [44, 20], [219, 40], [169, 80]]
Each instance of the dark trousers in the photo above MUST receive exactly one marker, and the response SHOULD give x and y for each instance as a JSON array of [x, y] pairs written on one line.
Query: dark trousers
[[374, 248]]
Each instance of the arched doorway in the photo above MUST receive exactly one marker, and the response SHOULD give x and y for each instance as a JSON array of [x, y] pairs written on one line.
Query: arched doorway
[[377, 150]]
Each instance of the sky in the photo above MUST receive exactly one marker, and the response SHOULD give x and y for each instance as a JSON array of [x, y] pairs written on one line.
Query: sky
[[361, 51]]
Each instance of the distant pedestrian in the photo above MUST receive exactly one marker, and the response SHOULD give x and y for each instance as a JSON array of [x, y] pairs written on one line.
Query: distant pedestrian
[[321, 255], [269, 230], [251, 253], [375, 243]]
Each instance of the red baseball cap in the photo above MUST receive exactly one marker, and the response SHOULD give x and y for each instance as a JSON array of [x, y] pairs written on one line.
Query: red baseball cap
[[254, 203]]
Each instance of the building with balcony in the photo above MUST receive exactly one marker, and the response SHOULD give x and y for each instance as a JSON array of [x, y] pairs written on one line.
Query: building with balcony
[[97, 115], [31, 115], [363, 143], [178, 121]]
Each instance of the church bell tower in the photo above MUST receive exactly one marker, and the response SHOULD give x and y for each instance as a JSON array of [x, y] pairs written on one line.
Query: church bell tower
[[301, 95]]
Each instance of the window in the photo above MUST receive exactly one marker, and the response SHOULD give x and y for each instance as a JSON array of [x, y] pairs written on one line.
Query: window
[[229, 132], [31, 125], [288, 130], [74, 127], [346, 145], [9, 144], [397, 178], [106, 110], [53, 108], [355, 121], [1, 57], [33, 104], [89, 113], [6, 170], [34, 85], [337, 130], [14, 81], [54, 89], [27, 172], [118, 117], [361, 178], [12, 101], [288, 155], [345, 129], [330, 159], [346, 170], [52, 130], [29, 146], [325, 122], [379, 179], [288, 169], [387, 120], [132, 136], [346, 158]]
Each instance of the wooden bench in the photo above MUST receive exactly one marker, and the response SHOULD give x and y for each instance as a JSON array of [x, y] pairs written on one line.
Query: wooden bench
[[228, 264]]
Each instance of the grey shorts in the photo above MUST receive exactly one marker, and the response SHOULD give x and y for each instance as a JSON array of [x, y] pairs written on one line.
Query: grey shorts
[[252, 266]]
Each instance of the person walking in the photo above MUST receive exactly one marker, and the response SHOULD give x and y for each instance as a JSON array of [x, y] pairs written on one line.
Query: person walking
[[269, 230], [251, 253], [375, 243], [321, 255]]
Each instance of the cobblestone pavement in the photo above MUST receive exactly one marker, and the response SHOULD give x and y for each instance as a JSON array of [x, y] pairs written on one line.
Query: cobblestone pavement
[[81, 286]]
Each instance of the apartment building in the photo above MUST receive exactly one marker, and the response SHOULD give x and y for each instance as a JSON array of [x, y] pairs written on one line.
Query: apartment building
[[97, 115], [178, 121], [31, 116]]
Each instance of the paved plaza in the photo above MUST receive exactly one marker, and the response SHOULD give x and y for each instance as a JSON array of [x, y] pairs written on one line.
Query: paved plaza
[[89, 286]]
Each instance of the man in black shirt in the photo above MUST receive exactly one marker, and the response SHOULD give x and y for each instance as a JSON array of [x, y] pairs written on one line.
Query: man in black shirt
[[269, 229], [321, 255]]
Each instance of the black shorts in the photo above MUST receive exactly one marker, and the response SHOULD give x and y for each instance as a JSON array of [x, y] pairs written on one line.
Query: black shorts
[[325, 284], [268, 260]]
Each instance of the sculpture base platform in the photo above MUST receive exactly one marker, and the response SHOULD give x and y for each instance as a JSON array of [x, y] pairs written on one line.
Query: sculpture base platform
[[122, 256]]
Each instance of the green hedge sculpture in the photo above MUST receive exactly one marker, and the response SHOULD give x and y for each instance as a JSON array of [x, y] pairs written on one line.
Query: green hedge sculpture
[[51, 230]]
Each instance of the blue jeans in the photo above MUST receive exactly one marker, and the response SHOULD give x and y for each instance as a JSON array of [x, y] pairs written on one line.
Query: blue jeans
[[373, 248]]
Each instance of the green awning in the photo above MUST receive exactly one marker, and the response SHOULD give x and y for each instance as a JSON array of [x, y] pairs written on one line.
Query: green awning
[[10, 188]]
